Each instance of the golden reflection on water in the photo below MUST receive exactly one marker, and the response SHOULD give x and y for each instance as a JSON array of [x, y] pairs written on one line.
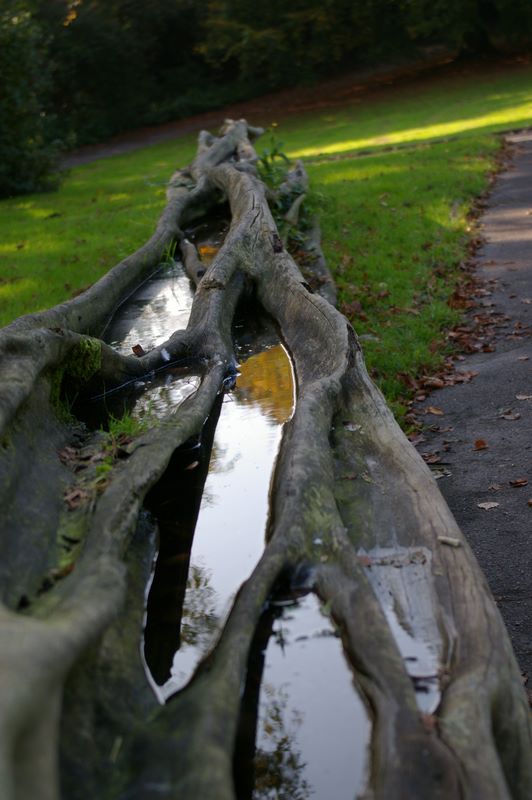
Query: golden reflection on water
[[267, 380], [208, 253], [231, 525]]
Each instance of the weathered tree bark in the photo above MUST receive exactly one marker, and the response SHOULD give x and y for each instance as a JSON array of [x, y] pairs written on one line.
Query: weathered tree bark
[[353, 503]]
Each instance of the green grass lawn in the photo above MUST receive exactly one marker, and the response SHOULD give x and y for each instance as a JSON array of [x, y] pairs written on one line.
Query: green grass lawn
[[54, 245], [395, 220]]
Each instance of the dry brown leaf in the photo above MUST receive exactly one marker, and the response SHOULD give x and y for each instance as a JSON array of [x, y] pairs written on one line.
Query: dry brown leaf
[[75, 497], [434, 410], [480, 444], [431, 458], [67, 455], [517, 482], [450, 540], [138, 350], [509, 415], [430, 722], [488, 506], [523, 397]]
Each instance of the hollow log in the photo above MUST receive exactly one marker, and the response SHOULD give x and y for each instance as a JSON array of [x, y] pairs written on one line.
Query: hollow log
[[353, 508]]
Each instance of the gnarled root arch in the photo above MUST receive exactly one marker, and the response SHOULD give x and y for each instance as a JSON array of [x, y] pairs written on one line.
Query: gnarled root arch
[[477, 745]]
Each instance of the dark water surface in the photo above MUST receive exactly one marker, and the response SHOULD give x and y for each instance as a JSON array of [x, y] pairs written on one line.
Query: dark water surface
[[310, 727], [225, 535], [305, 731]]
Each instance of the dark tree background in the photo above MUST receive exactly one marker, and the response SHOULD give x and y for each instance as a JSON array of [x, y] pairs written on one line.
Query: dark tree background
[[77, 71]]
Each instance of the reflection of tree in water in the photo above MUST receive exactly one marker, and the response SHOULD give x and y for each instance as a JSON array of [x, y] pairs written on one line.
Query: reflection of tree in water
[[265, 380], [279, 768], [200, 620], [162, 398]]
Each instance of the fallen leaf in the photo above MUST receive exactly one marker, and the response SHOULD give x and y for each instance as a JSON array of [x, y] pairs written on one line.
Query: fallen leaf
[[67, 455], [529, 502], [522, 358], [517, 482], [494, 487], [487, 506], [523, 397], [351, 426], [431, 458], [434, 410], [207, 250], [509, 415], [430, 722], [450, 541], [138, 350], [75, 497], [61, 572], [480, 444], [433, 383]]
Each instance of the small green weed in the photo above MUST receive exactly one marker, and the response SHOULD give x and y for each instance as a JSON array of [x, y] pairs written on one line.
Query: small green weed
[[273, 163], [124, 429]]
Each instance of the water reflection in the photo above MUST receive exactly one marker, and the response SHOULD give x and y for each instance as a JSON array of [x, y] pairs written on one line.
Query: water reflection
[[148, 318], [309, 727], [402, 580], [279, 766], [265, 382], [223, 538], [157, 309]]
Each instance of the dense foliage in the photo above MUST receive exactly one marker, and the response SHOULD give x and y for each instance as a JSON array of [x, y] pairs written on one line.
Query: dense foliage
[[84, 69], [27, 150]]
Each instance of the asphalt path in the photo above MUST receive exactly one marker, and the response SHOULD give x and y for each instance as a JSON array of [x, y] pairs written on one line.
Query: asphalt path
[[484, 436]]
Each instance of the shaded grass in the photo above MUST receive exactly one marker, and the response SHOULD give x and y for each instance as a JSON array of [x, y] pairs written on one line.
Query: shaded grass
[[395, 223], [54, 245], [395, 231]]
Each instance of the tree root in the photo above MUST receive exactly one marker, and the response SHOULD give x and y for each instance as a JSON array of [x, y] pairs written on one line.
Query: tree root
[[352, 503]]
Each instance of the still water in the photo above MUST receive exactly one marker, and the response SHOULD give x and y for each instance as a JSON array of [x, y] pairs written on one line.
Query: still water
[[312, 730], [229, 530], [157, 309]]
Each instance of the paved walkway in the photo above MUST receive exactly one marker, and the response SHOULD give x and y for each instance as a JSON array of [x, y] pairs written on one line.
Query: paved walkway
[[496, 407]]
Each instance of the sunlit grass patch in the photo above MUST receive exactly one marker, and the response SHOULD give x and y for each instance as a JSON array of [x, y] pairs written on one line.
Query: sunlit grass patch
[[54, 245], [395, 231], [395, 221], [420, 111]]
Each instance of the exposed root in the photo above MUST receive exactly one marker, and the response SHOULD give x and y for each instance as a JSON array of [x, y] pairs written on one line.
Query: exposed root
[[348, 487]]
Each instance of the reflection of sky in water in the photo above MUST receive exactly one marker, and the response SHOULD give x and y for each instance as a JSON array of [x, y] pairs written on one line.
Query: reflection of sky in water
[[313, 731], [155, 311], [229, 536], [401, 579]]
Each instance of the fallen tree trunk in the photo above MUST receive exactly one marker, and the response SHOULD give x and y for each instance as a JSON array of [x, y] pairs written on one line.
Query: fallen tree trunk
[[354, 509]]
